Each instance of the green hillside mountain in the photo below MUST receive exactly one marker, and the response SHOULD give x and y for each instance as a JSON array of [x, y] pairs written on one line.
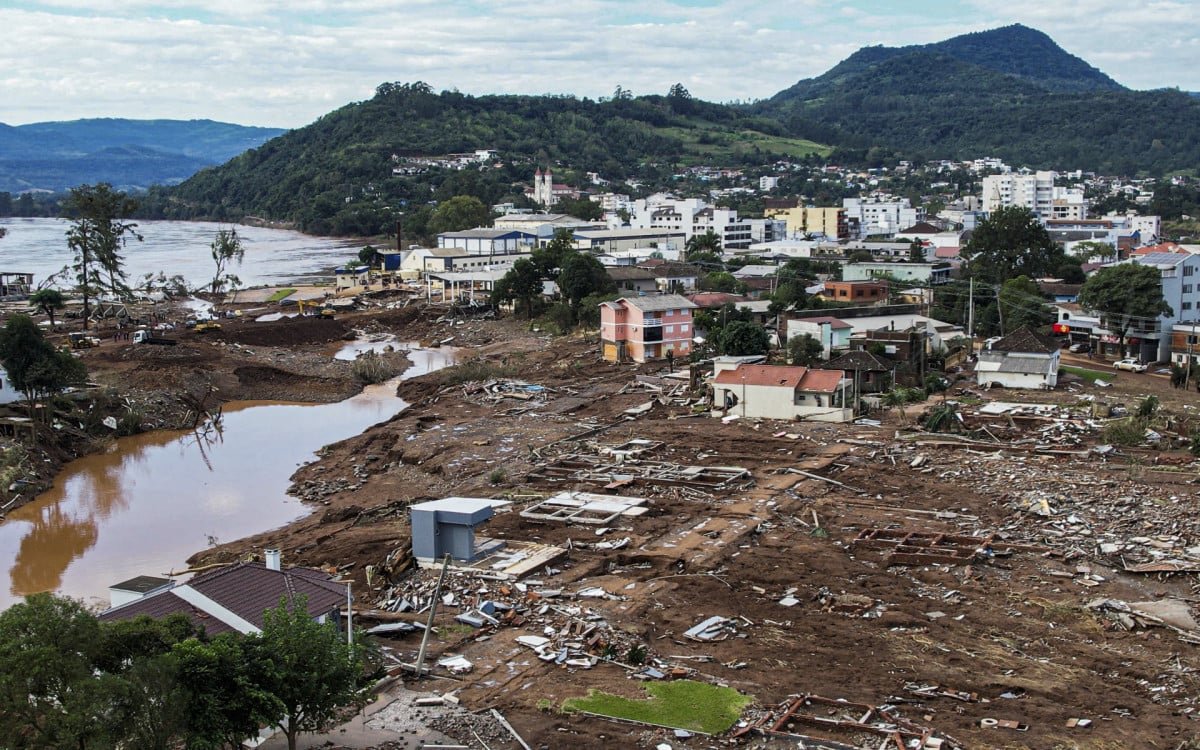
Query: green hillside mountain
[[133, 154], [335, 175], [1010, 92]]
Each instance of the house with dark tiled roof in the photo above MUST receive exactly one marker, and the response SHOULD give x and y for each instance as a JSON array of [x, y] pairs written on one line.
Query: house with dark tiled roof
[[779, 392], [1022, 359], [230, 599], [868, 372]]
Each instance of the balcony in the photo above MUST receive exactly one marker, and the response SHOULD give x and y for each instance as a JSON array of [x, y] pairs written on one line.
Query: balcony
[[648, 322]]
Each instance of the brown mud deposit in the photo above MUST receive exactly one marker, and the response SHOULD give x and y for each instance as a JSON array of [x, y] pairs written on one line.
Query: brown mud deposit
[[860, 629]]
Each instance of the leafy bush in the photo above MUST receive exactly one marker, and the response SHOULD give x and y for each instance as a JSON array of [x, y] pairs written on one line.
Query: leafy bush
[[1128, 431]]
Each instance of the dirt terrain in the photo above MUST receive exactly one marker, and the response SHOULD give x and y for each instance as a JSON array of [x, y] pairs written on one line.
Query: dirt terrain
[[942, 639], [1023, 611]]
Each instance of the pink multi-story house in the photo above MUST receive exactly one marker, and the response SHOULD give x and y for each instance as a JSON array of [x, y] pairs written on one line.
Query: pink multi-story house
[[642, 328]]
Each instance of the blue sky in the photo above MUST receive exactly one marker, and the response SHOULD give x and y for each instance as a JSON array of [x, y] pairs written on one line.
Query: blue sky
[[286, 62]]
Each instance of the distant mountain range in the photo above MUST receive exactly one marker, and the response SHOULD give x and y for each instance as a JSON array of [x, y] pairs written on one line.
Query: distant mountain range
[[1010, 92], [130, 154]]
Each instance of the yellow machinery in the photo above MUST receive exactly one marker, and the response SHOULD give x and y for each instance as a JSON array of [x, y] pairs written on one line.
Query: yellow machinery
[[205, 326], [313, 308], [83, 341]]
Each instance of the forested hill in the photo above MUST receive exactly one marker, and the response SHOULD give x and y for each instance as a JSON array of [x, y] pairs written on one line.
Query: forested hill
[[1010, 92], [335, 175], [130, 154]]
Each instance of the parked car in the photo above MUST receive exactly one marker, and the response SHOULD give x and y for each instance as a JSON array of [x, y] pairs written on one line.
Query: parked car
[[1081, 347], [1130, 364]]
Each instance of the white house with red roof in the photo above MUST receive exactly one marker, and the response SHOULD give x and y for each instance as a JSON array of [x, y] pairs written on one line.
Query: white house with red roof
[[779, 392]]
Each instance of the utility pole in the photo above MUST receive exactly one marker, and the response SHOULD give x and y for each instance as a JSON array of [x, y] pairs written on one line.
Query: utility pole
[[971, 313], [1000, 309], [1187, 373]]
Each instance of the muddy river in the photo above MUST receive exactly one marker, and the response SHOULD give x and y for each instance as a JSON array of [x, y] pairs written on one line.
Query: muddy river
[[153, 500], [273, 256]]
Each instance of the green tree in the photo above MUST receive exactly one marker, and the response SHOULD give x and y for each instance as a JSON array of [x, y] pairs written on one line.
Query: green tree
[[1087, 249], [227, 249], [33, 365], [742, 338], [522, 284], [583, 275], [307, 667], [458, 213], [1125, 294], [97, 235], [916, 252], [368, 255], [584, 208], [1009, 243], [1022, 304], [708, 243], [48, 301], [48, 695], [860, 256], [804, 350], [719, 281], [549, 259], [224, 704]]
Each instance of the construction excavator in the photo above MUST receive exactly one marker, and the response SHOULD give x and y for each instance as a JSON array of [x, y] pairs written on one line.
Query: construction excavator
[[317, 309]]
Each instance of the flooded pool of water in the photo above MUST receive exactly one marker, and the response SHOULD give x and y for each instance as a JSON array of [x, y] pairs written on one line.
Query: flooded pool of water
[[153, 500]]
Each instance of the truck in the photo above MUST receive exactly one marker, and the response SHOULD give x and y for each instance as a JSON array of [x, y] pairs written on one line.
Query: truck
[[147, 337]]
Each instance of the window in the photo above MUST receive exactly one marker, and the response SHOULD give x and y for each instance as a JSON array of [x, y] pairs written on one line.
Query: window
[[1186, 305], [670, 329], [1187, 288], [670, 313], [1188, 270]]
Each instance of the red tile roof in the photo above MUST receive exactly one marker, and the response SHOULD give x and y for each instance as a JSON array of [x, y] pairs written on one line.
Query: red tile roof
[[776, 375], [1164, 247], [821, 381], [795, 378]]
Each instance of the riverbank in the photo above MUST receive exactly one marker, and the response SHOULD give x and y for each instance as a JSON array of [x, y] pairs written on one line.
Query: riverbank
[[137, 388]]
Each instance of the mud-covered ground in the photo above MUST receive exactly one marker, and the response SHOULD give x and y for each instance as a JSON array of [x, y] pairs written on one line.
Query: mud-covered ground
[[813, 612]]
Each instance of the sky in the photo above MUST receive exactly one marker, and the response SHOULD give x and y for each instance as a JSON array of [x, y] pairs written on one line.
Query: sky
[[284, 63]]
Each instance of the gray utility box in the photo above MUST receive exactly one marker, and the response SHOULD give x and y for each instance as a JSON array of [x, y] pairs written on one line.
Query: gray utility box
[[447, 526]]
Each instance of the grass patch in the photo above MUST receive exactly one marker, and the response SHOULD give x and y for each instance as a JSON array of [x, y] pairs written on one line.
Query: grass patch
[[683, 704], [282, 293], [1089, 375]]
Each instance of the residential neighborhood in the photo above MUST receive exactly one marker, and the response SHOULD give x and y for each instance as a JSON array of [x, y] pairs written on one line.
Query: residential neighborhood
[[864, 415]]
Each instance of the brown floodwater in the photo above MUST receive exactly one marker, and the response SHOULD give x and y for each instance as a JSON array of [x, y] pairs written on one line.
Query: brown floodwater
[[152, 500]]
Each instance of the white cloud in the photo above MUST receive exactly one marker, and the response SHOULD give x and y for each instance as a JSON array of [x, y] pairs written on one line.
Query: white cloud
[[273, 62]]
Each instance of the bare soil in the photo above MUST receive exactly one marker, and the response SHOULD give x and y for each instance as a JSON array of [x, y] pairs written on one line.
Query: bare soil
[[861, 629]]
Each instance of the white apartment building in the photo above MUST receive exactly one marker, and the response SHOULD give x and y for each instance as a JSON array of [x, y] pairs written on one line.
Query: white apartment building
[[767, 184], [879, 216], [612, 202], [692, 216], [1037, 192]]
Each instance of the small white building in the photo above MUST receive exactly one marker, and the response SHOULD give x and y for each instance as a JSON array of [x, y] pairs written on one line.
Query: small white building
[[833, 334], [1022, 359], [348, 277], [777, 392]]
